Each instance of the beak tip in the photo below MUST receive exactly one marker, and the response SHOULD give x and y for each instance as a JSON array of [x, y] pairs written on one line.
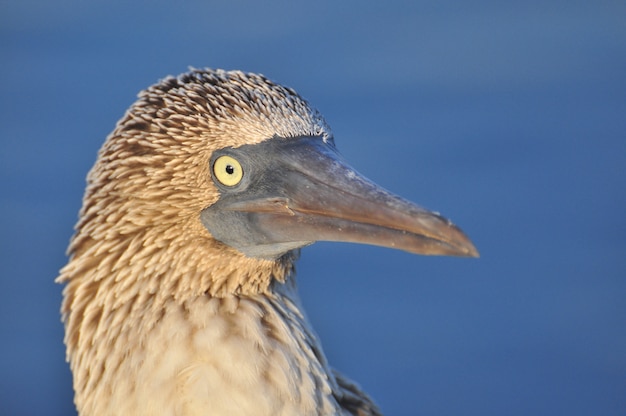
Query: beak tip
[[466, 249], [471, 251], [461, 243]]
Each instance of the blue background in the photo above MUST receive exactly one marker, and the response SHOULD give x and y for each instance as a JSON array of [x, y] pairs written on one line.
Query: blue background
[[508, 118]]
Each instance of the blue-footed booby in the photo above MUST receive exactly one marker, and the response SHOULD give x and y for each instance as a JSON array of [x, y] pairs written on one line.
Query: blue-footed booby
[[180, 295]]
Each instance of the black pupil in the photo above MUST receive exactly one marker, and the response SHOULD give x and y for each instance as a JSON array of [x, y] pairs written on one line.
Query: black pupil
[[230, 169]]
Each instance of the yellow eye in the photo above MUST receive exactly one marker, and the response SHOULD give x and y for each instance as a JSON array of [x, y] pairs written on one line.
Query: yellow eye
[[227, 170]]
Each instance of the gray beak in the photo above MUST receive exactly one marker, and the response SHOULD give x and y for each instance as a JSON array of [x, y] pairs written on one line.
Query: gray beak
[[296, 191]]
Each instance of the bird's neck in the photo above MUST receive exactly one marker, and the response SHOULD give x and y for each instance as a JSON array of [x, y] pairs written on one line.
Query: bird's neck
[[196, 332], [232, 355]]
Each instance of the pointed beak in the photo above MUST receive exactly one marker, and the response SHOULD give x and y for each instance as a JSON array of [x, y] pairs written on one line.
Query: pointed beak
[[298, 191]]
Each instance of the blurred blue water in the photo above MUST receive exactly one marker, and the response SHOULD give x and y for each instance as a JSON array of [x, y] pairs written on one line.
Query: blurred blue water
[[510, 119]]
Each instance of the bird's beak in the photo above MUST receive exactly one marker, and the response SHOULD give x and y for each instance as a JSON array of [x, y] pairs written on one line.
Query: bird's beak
[[296, 191]]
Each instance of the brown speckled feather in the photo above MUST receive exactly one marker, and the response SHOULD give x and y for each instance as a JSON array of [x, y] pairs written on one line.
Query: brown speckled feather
[[162, 319]]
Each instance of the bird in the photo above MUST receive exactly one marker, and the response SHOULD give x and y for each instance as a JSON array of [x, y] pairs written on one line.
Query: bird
[[180, 294]]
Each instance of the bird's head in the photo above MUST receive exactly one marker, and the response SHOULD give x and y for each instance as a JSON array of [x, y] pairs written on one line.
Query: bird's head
[[230, 173]]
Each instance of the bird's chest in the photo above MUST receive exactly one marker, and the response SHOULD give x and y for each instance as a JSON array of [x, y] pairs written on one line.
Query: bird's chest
[[226, 356]]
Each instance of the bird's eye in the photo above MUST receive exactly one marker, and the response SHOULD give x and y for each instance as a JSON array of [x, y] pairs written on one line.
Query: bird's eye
[[227, 170]]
